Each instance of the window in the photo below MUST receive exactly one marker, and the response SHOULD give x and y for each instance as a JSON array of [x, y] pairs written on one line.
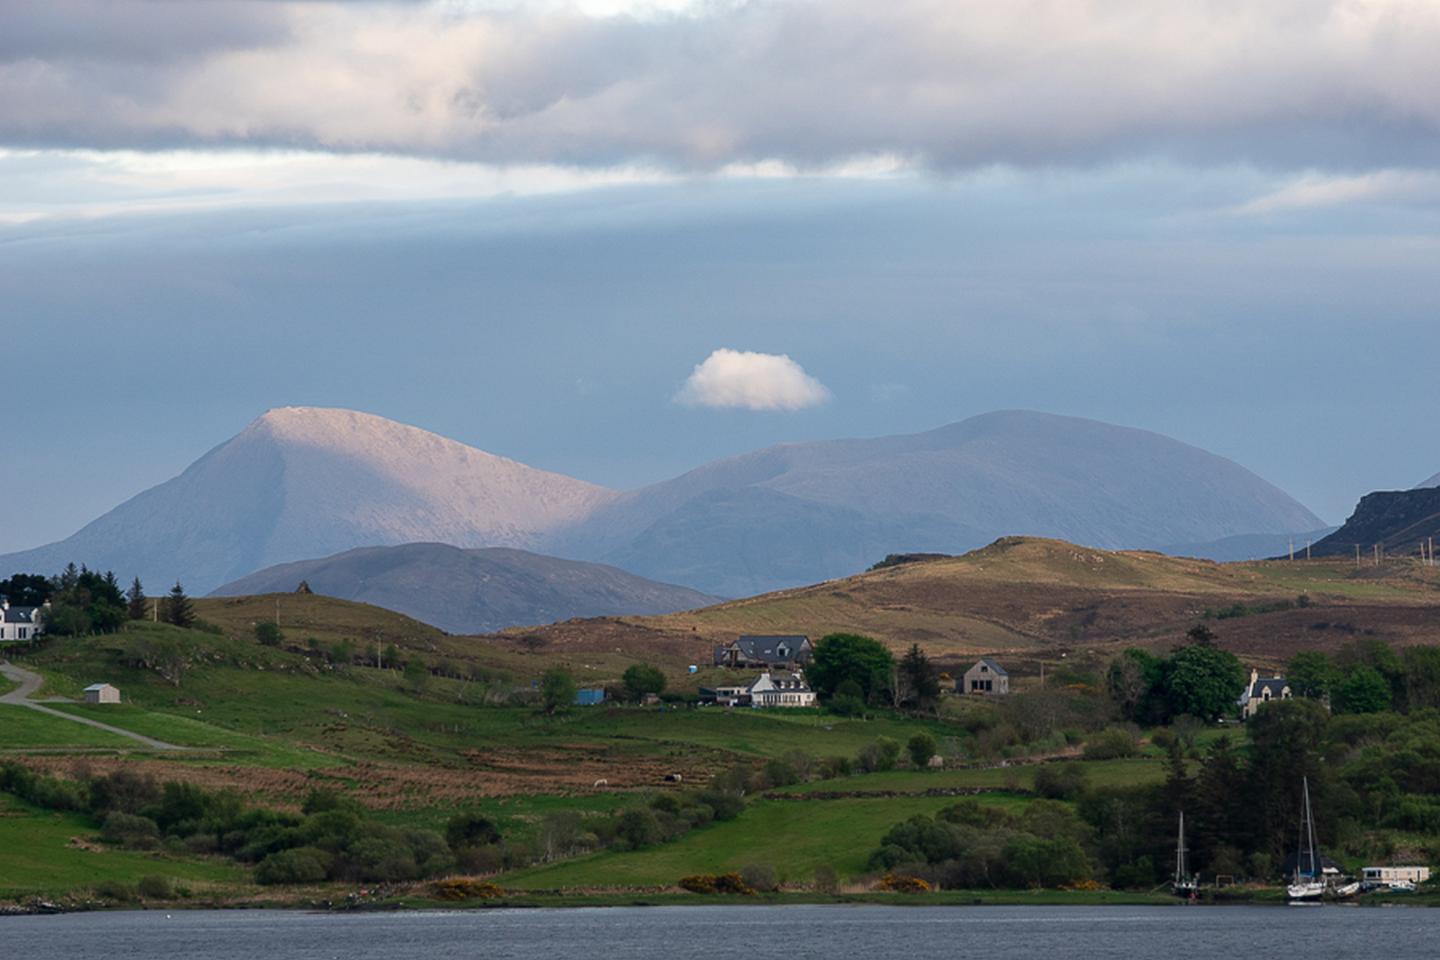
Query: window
[[22, 633]]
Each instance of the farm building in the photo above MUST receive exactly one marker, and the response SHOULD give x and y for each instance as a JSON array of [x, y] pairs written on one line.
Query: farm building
[[589, 697], [783, 652], [102, 693], [987, 678]]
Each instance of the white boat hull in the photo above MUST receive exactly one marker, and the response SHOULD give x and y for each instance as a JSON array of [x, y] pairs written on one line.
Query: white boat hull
[[1302, 892]]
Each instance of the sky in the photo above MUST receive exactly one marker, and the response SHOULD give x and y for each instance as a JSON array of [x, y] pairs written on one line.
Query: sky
[[619, 239]]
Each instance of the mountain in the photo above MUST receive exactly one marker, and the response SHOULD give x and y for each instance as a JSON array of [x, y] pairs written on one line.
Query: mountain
[[1397, 520], [794, 513], [472, 591], [305, 482], [1025, 600], [301, 482], [1432, 482], [1249, 546]]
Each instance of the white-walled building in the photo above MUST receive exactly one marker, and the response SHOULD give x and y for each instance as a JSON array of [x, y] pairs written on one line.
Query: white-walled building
[[1260, 691], [19, 624]]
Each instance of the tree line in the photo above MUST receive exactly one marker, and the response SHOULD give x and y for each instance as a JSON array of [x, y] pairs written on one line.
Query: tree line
[[84, 601]]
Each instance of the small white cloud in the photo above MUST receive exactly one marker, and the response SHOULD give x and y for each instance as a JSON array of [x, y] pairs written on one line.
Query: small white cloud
[[752, 381], [1315, 190]]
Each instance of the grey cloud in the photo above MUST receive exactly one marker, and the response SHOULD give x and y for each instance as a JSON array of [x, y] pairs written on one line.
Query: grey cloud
[[944, 83]]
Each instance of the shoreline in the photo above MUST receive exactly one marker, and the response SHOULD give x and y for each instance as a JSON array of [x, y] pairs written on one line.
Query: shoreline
[[418, 902]]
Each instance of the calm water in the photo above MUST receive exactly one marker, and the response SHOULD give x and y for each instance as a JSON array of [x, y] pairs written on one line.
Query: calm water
[[748, 933]]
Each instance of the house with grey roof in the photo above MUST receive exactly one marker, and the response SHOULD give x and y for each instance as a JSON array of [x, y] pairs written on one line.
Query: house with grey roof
[[20, 623], [766, 690], [786, 652], [1260, 691], [986, 678]]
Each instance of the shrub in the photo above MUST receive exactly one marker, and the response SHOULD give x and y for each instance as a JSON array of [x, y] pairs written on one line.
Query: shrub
[[638, 829], [903, 884], [268, 634], [707, 883], [116, 890], [129, 830], [879, 755], [826, 880], [1060, 781], [154, 887], [921, 748], [640, 679], [299, 865], [1110, 744], [464, 888], [760, 877], [470, 829]]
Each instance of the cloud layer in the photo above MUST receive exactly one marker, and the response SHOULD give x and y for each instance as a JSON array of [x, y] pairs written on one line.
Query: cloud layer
[[752, 381], [1344, 84]]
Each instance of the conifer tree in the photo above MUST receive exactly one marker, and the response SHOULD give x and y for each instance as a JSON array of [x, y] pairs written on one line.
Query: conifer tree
[[178, 609], [136, 598]]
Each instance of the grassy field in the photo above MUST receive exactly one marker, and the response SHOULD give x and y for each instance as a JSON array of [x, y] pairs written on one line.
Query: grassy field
[[793, 837], [22, 728], [1099, 773], [46, 853]]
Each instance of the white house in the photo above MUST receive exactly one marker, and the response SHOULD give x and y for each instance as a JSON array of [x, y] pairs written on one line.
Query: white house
[[1260, 691], [766, 690], [781, 691], [20, 623], [102, 693], [1390, 876]]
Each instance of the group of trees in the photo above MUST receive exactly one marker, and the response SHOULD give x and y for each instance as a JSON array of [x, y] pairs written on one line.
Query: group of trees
[[1368, 676], [1198, 680], [84, 601], [850, 672], [330, 839]]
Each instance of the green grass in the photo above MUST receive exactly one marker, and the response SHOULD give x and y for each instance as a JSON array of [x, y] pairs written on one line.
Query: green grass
[[792, 836], [1100, 773], [37, 857], [22, 728]]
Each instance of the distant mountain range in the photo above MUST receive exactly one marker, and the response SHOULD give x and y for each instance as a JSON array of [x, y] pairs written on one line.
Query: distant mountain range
[[1397, 520], [473, 591], [303, 482], [1432, 482]]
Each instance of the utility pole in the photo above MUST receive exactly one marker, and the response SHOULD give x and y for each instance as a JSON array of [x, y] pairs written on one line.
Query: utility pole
[[1292, 549], [155, 609], [1357, 556], [277, 611], [1307, 549]]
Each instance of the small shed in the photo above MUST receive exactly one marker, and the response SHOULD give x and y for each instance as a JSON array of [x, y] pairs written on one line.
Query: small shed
[[987, 678], [102, 693]]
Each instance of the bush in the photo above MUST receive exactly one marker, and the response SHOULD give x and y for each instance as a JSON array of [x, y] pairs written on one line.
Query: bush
[[760, 877], [268, 634], [707, 883], [1110, 744], [640, 679], [156, 888], [903, 884], [826, 880], [921, 748], [1061, 781], [879, 755], [129, 830], [638, 829], [470, 829], [464, 888], [300, 865], [116, 890]]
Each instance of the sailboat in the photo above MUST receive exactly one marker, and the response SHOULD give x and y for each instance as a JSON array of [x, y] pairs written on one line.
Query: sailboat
[[1185, 884], [1308, 882]]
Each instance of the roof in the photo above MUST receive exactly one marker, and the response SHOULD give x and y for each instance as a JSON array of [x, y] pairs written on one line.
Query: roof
[[1276, 686], [20, 614], [994, 667], [98, 686], [767, 647]]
